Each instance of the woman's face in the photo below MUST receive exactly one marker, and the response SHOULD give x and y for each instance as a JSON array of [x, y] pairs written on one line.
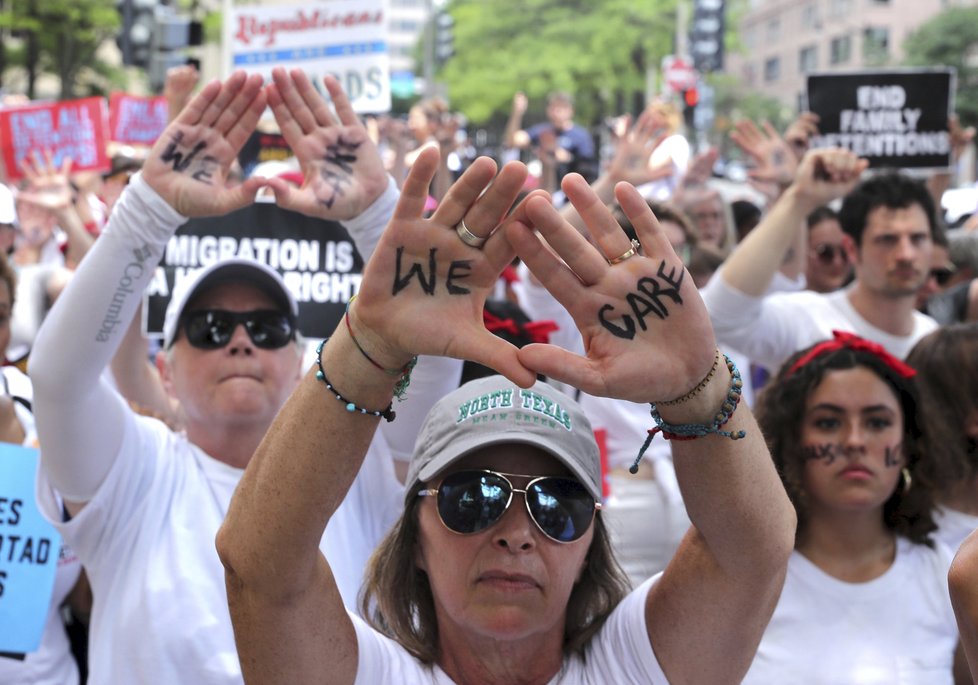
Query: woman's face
[[852, 441], [707, 214], [509, 581], [828, 262]]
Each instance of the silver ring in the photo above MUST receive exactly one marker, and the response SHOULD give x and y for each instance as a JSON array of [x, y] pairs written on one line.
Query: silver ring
[[468, 237], [631, 252]]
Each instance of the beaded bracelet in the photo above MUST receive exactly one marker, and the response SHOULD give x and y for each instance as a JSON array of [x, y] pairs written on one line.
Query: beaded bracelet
[[404, 372], [699, 386], [387, 413], [691, 431]]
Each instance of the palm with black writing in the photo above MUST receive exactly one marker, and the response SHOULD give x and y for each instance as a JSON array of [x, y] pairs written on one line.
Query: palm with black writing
[[343, 172], [647, 335], [424, 289], [188, 166]]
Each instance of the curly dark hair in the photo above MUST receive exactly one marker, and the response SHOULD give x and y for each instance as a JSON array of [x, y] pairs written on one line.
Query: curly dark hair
[[947, 371], [780, 409], [891, 190], [396, 597]]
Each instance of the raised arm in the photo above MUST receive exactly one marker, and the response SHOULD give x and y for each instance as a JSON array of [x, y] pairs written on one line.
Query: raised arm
[[80, 419], [648, 339], [422, 293], [822, 176]]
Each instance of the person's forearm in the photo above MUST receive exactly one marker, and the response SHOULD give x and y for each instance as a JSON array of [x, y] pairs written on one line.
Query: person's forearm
[[366, 229], [78, 415], [731, 489], [311, 453], [754, 262], [512, 126], [962, 580], [136, 378]]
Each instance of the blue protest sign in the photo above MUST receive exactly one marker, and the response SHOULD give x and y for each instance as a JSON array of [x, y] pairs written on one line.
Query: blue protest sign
[[29, 548]]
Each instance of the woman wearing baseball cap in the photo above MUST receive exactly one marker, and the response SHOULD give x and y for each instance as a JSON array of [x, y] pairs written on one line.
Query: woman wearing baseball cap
[[499, 569]]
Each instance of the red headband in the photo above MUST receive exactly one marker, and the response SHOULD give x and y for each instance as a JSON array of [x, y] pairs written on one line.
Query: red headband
[[853, 342]]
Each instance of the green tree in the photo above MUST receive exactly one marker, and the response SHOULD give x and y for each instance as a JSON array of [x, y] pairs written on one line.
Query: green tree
[[599, 50], [59, 37], [951, 39]]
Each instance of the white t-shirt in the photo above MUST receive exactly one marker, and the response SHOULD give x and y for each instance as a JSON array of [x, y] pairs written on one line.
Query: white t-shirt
[[953, 527], [619, 653], [675, 150], [898, 628], [770, 329], [160, 613]]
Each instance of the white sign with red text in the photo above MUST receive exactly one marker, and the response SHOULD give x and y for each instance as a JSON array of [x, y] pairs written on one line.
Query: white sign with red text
[[346, 38]]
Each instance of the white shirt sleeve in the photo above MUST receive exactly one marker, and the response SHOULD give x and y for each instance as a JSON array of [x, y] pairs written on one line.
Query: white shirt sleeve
[[79, 416]]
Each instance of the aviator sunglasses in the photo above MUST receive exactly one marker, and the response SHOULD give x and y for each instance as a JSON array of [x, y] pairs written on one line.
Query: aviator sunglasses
[[471, 501], [210, 329]]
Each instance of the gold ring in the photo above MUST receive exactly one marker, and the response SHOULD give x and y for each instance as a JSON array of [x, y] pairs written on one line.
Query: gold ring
[[630, 252], [468, 237]]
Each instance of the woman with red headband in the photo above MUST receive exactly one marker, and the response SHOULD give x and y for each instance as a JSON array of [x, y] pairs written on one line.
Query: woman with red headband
[[865, 599]]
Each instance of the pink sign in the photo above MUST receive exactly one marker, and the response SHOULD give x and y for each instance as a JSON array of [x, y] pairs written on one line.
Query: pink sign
[[73, 128], [136, 120]]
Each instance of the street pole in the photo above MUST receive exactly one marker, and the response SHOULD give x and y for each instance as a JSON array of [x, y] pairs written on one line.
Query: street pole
[[429, 51]]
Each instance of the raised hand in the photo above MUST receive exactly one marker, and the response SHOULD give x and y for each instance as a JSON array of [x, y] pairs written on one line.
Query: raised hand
[[48, 186], [342, 168], [634, 149], [425, 286], [188, 166], [800, 132], [647, 335], [826, 174], [179, 84], [772, 156]]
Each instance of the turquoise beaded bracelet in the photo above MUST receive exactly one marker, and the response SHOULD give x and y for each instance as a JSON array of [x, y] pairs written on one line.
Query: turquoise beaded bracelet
[[387, 414]]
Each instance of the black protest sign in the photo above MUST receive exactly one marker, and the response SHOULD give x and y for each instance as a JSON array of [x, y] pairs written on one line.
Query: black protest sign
[[894, 118], [317, 260]]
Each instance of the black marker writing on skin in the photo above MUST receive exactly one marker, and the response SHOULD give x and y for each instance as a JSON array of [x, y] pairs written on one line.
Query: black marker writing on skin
[[893, 456], [171, 153], [340, 155], [648, 300], [827, 451], [457, 270]]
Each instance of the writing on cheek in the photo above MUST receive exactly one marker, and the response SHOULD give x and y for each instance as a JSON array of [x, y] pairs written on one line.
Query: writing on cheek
[[181, 160], [340, 158], [893, 456], [827, 452], [649, 299], [457, 270]]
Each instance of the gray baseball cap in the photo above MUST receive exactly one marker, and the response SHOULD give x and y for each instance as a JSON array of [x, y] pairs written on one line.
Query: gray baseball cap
[[237, 269], [492, 411]]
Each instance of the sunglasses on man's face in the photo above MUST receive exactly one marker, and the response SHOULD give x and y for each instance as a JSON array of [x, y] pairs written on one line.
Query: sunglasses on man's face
[[827, 254], [471, 501], [210, 329]]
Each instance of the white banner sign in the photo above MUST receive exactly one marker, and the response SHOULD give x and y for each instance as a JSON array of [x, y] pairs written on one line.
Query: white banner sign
[[346, 38]]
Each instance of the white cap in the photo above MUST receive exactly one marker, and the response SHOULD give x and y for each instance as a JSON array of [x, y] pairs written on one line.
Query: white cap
[[8, 209], [249, 271]]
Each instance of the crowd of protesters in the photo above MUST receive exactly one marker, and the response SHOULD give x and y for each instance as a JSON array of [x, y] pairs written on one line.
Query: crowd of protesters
[[573, 346]]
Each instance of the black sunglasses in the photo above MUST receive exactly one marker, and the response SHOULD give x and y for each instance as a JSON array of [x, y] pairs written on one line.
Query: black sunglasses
[[210, 329], [941, 275], [471, 501], [826, 253]]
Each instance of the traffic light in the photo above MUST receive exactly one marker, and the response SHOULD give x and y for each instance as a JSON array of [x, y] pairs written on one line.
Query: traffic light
[[171, 35], [706, 35], [444, 37], [135, 38], [691, 98]]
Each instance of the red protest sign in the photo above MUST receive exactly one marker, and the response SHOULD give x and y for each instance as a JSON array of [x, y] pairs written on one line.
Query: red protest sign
[[136, 120], [74, 128]]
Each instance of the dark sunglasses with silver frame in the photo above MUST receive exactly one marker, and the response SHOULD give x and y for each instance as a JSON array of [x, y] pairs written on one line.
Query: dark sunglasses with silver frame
[[472, 500]]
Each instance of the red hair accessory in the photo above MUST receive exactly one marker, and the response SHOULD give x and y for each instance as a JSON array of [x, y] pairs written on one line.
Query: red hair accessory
[[842, 340], [536, 331]]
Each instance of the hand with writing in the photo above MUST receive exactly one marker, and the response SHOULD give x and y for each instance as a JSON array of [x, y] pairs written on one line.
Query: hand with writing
[[424, 289], [634, 149], [188, 166], [826, 174], [342, 168], [773, 159], [647, 335], [48, 186], [700, 168]]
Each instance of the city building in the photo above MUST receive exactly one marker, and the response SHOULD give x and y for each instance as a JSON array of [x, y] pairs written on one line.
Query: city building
[[784, 40]]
